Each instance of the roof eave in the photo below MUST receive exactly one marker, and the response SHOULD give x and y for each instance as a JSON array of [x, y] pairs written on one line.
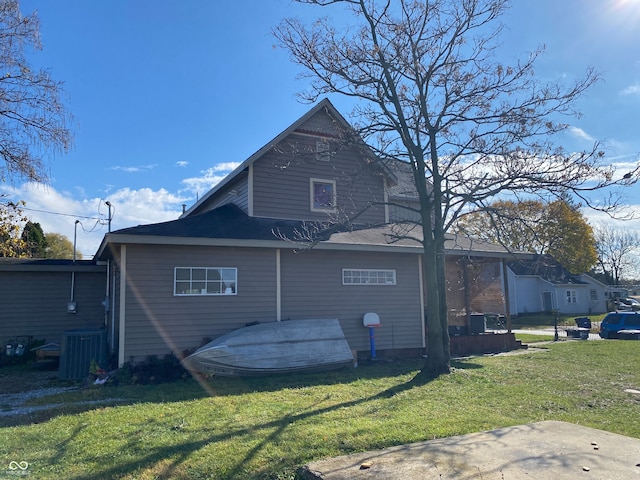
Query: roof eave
[[116, 239]]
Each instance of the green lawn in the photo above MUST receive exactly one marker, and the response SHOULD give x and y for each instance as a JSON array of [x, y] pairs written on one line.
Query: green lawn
[[266, 428]]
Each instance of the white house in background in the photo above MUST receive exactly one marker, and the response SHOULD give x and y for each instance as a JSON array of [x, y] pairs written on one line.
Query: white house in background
[[543, 285]]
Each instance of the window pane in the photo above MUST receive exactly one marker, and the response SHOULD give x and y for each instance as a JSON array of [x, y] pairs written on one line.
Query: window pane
[[183, 273], [322, 195], [198, 274], [228, 274], [213, 274], [182, 288]]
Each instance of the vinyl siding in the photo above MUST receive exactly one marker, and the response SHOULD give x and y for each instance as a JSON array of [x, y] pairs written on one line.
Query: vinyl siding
[[236, 192], [312, 288], [157, 322], [399, 214], [35, 303], [281, 182], [526, 294], [582, 299]]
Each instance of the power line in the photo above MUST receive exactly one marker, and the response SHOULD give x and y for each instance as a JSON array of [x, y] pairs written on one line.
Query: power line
[[61, 214], [57, 213]]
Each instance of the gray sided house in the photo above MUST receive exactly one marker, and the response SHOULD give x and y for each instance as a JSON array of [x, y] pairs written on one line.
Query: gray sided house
[[543, 285], [44, 298], [269, 243]]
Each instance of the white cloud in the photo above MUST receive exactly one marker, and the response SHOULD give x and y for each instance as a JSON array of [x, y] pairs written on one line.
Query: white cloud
[[631, 90], [182, 163], [57, 212], [135, 169], [209, 178], [225, 166], [579, 133]]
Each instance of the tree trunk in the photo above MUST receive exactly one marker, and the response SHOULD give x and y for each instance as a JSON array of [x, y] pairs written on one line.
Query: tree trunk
[[437, 336]]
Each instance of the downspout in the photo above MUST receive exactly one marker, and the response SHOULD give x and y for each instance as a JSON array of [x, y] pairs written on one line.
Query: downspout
[[123, 285], [71, 308], [113, 311], [107, 302], [107, 288], [278, 288], [423, 322]]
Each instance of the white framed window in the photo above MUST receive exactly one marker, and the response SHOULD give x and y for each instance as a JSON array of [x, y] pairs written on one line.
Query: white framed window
[[571, 297], [353, 276], [322, 151], [593, 295], [323, 195], [205, 281]]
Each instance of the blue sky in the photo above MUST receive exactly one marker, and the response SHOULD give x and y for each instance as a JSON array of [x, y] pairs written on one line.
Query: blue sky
[[168, 96]]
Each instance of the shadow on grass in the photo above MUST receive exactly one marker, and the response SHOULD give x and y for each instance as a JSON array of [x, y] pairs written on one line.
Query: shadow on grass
[[171, 457], [95, 398], [168, 459], [43, 408]]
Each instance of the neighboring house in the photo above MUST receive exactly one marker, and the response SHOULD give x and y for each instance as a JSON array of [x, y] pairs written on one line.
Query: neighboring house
[[543, 285], [256, 249], [43, 298]]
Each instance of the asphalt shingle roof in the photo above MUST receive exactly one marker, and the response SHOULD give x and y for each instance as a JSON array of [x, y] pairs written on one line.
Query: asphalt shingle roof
[[230, 222], [547, 268]]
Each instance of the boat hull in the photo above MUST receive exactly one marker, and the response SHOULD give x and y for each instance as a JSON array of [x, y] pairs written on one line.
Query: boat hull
[[275, 347]]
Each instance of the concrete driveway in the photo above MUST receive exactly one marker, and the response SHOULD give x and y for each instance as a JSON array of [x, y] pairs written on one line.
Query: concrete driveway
[[546, 450]]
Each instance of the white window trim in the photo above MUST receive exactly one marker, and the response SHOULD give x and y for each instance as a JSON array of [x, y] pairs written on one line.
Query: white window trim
[[228, 291], [367, 274], [312, 182], [571, 296]]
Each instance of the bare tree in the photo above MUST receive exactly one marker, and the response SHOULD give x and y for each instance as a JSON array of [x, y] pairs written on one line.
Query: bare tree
[[618, 252], [33, 120], [432, 93]]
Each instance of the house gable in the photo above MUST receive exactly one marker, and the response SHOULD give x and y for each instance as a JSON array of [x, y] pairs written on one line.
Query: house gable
[[317, 169]]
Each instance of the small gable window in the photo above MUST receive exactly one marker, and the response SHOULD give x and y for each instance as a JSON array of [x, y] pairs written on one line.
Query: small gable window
[[205, 281], [322, 151], [323, 195]]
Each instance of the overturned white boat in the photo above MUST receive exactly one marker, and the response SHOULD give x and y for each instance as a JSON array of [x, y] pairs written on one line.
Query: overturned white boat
[[274, 347]]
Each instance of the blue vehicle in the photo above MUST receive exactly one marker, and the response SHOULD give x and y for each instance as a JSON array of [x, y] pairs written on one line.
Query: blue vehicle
[[621, 325]]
